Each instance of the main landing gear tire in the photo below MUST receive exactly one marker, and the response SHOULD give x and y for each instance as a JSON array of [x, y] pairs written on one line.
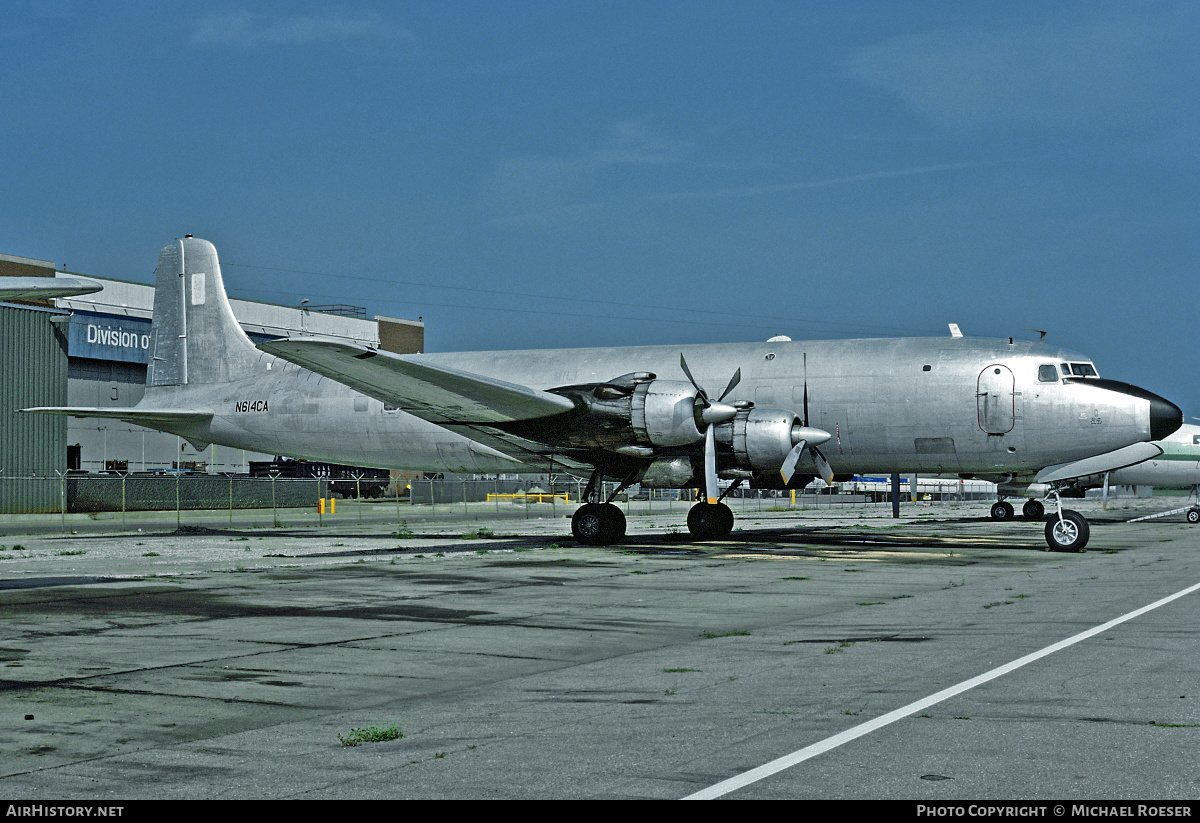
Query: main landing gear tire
[[1033, 510], [710, 521], [1069, 533], [1193, 515], [1002, 511], [598, 524]]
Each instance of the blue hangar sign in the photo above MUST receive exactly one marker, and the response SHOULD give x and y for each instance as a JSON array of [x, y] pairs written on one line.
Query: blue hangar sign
[[105, 337]]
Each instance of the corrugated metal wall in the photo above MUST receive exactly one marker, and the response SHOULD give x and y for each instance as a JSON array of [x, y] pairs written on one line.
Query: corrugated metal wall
[[33, 447]]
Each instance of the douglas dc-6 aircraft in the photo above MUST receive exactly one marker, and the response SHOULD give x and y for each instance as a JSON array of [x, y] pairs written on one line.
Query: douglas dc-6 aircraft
[[789, 411]]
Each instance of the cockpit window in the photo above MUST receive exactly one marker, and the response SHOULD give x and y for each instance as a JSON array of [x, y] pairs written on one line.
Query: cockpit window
[[1083, 370], [1047, 373], [1066, 369]]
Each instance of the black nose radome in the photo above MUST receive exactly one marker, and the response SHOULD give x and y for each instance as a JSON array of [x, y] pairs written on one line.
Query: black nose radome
[[1165, 416]]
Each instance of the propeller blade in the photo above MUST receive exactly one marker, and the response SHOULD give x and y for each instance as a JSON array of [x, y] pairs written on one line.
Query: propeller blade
[[822, 465], [789, 463], [699, 391], [710, 465], [806, 389], [733, 381]]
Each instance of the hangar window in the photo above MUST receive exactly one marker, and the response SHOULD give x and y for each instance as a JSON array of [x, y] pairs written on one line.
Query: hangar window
[[1047, 373]]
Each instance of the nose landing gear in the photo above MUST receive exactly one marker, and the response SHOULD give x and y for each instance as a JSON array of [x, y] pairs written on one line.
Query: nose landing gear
[[1067, 530]]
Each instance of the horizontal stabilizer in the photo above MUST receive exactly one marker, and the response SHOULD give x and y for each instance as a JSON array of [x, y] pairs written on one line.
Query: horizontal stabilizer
[[435, 393], [1101, 463], [152, 418], [43, 288]]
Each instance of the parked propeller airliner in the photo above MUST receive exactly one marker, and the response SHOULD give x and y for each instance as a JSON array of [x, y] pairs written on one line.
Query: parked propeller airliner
[[788, 411]]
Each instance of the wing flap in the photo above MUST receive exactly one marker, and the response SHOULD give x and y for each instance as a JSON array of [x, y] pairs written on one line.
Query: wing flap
[[438, 394]]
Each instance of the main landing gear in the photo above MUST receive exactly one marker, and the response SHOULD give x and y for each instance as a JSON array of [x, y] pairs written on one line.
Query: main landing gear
[[595, 523], [600, 524]]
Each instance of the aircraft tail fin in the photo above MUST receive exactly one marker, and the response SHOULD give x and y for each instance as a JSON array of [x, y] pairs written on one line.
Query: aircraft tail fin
[[194, 338]]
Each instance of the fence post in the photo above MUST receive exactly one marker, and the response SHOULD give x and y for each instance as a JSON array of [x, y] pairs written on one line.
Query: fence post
[[123, 474], [62, 497], [231, 501], [274, 515], [178, 524]]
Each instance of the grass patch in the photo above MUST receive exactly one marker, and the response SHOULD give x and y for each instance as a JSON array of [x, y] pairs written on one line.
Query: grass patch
[[69, 553], [681, 670], [872, 603], [711, 635], [371, 734], [793, 578], [149, 554], [480, 533]]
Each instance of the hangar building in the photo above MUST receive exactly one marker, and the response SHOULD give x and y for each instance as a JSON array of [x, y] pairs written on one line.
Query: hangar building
[[92, 350]]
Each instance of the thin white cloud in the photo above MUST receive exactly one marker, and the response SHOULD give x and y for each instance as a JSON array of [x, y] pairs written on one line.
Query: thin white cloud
[[1098, 69], [755, 191], [542, 189], [245, 29]]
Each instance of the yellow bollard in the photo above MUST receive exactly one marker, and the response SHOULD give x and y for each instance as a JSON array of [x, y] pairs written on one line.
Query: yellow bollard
[[332, 507], [320, 505]]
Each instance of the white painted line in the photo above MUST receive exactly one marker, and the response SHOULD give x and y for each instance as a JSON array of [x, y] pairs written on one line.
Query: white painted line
[[787, 761]]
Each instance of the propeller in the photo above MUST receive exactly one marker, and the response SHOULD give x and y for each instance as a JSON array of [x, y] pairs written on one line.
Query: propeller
[[711, 413], [806, 438]]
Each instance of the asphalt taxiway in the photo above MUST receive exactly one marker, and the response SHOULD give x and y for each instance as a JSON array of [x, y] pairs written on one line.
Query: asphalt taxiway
[[218, 663]]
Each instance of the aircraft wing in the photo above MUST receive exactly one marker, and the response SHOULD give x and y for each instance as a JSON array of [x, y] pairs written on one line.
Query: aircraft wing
[[1111, 461], [152, 418], [435, 393]]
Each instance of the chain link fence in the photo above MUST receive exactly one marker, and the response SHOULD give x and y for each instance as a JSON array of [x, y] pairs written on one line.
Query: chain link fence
[[310, 501]]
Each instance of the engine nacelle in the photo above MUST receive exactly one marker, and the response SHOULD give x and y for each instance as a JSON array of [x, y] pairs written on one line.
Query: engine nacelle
[[760, 439], [663, 413]]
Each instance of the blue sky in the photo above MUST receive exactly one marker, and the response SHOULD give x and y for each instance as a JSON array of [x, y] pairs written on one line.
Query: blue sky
[[573, 174]]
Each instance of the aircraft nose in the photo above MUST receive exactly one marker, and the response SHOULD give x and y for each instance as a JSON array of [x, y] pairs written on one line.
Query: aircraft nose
[[1165, 416]]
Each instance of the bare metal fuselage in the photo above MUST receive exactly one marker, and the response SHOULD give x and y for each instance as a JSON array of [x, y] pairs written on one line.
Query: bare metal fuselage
[[946, 405]]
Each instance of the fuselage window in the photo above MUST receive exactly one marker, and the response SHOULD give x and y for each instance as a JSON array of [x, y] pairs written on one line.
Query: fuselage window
[[1083, 370], [1047, 373]]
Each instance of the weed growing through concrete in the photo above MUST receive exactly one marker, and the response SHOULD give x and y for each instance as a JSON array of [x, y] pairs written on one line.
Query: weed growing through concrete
[[372, 734]]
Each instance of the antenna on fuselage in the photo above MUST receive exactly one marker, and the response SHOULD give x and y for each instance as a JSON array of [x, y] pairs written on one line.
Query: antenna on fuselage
[[1041, 335], [954, 330]]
